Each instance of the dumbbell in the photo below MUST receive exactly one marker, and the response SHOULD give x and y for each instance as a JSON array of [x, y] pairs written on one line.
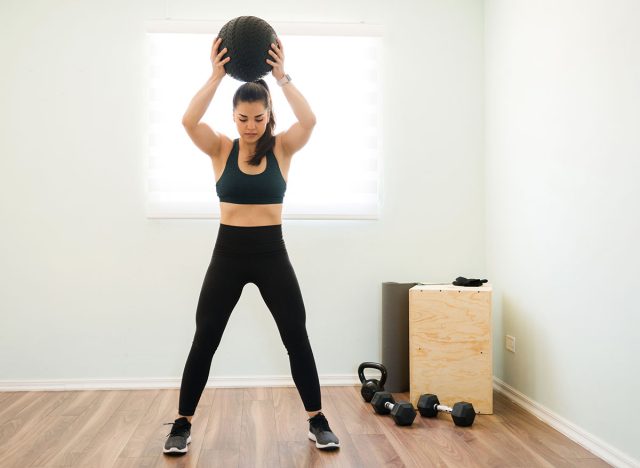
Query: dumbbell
[[462, 412], [402, 412]]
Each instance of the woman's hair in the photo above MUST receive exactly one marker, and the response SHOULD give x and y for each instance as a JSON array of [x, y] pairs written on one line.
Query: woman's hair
[[258, 91]]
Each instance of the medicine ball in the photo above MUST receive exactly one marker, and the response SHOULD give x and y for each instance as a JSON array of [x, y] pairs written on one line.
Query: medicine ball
[[248, 41]]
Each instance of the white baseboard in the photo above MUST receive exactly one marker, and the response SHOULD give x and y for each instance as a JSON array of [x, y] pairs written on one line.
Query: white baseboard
[[590, 442], [137, 384]]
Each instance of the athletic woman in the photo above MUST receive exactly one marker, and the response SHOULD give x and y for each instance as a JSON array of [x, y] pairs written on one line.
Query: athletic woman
[[251, 179]]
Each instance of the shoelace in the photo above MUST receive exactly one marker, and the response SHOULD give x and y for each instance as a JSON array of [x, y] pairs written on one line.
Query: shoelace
[[176, 429], [320, 421]]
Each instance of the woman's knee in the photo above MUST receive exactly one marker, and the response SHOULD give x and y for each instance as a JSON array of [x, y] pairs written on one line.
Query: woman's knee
[[295, 339], [207, 339]]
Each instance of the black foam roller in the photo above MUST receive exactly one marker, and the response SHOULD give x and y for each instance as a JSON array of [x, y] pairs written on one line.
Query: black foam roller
[[248, 41], [395, 335]]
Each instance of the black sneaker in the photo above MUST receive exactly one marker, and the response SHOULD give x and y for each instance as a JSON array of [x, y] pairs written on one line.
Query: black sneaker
[[320, 433], [179, 437]]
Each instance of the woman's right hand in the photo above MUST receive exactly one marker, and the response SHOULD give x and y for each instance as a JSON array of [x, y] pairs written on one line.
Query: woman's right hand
[[216, 59]]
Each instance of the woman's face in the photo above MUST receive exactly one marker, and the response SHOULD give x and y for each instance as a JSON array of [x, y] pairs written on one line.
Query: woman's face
[[251, 120]]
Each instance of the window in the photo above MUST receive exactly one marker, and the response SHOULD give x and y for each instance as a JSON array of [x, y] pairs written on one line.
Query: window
[[336, 175]]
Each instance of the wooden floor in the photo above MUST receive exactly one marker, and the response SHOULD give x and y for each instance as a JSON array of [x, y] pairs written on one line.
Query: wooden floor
[[264, 427]]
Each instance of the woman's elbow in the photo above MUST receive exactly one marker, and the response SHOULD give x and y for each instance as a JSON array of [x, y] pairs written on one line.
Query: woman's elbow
[[310, 122]]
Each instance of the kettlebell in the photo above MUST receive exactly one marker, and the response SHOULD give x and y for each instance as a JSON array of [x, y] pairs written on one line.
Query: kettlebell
[[371, 386]]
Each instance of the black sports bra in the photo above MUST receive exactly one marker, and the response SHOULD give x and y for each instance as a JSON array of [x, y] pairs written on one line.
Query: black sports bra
[[236, 186]]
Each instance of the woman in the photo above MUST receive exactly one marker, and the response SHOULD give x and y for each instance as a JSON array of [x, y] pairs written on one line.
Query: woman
[[251, 176]]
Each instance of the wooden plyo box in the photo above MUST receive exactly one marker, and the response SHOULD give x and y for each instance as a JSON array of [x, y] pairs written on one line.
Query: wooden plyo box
[[450, 344]]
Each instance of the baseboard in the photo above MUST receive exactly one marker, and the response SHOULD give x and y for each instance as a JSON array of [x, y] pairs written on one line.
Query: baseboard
[[138, 384], [587, 440]]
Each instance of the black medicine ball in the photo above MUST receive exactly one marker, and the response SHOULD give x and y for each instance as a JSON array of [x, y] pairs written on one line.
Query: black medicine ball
[[248, 41]]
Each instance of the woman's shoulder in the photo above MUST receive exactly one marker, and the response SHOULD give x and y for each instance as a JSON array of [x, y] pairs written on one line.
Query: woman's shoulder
[[226, 145]]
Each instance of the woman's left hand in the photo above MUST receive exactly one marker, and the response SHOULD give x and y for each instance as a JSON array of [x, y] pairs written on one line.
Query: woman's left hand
[[277, 61]]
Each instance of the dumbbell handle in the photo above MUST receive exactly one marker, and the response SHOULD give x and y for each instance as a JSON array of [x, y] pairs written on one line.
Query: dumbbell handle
[[389, 405], [443, 408]]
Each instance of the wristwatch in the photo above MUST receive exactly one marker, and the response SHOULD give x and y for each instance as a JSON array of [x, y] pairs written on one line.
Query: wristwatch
[[284, 80]]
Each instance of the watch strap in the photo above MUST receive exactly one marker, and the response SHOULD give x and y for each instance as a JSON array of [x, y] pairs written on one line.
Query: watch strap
[[284, 80]]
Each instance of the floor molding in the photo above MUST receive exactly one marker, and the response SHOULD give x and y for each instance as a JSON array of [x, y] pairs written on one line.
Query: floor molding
[[587, 440], [154, 383]]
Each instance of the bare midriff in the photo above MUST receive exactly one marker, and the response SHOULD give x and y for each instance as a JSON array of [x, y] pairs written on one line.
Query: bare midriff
[[235, 214]]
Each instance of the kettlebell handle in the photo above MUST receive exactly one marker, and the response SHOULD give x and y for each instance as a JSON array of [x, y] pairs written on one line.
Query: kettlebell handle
[[372, 365]]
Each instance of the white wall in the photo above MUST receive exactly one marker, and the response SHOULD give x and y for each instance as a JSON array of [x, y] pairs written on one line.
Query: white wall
[[563, 204], [90, 288]]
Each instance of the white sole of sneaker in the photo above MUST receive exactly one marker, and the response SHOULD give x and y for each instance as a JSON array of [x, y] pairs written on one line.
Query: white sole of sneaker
[[177, 450], [321, 446]]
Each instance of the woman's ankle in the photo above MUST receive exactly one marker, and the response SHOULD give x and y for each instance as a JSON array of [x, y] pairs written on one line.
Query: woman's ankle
[[183, 416]]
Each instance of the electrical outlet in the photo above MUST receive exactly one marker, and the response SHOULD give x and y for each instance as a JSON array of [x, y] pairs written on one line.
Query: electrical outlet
[[510, 343]]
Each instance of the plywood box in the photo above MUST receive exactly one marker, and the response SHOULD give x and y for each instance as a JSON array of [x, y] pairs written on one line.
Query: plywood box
[[450, 344]]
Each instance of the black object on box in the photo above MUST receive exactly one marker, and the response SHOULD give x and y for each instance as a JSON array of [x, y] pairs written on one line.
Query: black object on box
[[471, 282]]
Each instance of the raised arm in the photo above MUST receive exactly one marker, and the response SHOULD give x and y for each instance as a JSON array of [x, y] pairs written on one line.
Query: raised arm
[[299, 133], [205, 138]]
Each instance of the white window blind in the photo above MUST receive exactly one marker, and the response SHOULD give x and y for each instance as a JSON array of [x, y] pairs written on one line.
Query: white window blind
[[336, 175]]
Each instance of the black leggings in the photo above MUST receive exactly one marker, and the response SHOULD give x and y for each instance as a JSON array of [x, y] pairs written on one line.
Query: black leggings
[[242, 255]]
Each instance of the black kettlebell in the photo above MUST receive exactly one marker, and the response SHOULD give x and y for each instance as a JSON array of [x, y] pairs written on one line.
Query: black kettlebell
[[371, 386]]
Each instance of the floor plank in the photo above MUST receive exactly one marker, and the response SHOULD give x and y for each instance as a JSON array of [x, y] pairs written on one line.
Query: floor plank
[[259, 436], [17, 433], [290, 415], [14, 403], [354, 411], [104, 448], [224, 420], [376, 450]]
